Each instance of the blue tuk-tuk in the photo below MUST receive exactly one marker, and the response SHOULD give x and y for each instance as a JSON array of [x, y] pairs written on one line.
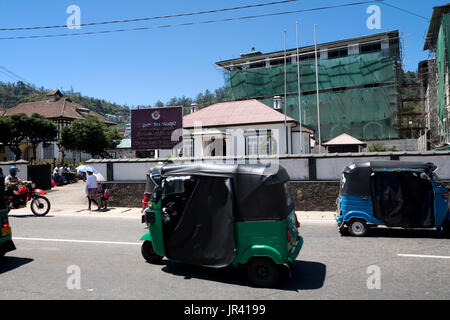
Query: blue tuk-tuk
[[391, 193]]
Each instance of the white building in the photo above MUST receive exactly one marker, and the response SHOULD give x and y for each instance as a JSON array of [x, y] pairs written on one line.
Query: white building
[[242, 128]]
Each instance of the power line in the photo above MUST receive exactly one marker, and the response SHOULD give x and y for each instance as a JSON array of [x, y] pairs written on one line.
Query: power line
[[151, 18], [15, 76], [407, 11], [189, 23]]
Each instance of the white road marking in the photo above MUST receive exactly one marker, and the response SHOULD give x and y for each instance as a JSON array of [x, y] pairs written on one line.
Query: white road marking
[[77, 241], [423, 256]]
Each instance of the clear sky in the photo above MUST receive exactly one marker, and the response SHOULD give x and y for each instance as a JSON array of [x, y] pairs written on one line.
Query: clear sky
[[141, 67]]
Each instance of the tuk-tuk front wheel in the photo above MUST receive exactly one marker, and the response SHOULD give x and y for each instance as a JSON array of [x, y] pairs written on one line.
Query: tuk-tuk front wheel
[[149, 253], [357, 227], [263, 272]]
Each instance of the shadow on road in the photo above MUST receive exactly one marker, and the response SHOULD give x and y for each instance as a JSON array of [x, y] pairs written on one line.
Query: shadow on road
[[306, 275], [10, 263], [28, 216], [406, 233]]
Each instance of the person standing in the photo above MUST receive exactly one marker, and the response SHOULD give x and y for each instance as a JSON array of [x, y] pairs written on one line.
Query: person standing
[[91, 189]]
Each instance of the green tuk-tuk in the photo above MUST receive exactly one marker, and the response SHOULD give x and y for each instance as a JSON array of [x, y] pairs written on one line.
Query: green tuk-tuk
[[220, 215], [6, 243]]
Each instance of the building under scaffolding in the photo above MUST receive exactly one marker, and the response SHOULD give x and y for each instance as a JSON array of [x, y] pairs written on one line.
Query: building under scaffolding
[[436, 72], [358, 84]]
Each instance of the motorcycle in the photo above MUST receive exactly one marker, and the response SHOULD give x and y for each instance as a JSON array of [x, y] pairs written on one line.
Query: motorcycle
[[27, 191]]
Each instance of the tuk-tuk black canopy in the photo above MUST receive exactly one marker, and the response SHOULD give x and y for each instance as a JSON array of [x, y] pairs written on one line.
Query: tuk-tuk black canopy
[[259, 189], [357, 175], [401, 191]]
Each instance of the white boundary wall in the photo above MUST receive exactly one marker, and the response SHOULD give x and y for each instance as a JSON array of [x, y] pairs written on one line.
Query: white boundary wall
[[21, 165], [323, 167]]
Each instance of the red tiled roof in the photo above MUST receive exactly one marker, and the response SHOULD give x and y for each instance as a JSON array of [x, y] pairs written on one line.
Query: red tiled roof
[[235, 113], [343, 139], [63, 107]]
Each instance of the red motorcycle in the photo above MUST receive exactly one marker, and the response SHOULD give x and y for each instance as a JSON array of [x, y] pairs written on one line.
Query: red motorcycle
[[27, 191]]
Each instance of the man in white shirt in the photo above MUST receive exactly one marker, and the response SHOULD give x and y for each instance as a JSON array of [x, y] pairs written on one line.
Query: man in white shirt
[[91, 189]]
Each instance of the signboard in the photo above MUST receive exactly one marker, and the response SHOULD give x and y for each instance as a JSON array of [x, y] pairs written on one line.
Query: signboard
[[153, 128]]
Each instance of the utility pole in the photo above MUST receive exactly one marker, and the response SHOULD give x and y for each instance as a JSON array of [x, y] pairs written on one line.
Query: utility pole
[[299, 92], [317, 89], [285, 96]]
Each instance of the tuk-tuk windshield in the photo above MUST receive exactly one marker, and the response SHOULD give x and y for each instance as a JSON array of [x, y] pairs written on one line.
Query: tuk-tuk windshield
[[438, 181], [178, 185]]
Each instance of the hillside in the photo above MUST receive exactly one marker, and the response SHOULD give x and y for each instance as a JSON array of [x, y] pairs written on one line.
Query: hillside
[[12, 94]]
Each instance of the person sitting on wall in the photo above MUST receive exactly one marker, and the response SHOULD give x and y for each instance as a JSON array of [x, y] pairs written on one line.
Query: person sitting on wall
[[55, 176]]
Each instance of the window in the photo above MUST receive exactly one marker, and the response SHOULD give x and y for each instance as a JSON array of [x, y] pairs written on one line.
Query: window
[[258, 142], [337, 53], [277, 62], [306, 57], [257, 65], [370, 47], [188, 147]]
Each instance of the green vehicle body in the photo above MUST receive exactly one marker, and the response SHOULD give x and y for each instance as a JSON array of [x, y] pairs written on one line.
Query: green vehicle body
[[253, 239], [6, 243]]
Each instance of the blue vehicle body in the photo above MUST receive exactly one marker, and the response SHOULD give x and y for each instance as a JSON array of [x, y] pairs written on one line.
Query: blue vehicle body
[[352, 203]]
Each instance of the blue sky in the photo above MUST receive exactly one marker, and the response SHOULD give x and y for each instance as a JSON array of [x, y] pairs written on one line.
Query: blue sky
[[141, 67]]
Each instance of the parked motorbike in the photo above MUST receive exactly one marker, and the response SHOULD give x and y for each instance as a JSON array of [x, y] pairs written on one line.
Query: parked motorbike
[[27, 191]]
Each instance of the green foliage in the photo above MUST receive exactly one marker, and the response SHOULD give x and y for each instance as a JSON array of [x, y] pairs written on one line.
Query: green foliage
[[380, 147], [203, 100], [40, 130], [12, 94], [90, 136], [19, 127]]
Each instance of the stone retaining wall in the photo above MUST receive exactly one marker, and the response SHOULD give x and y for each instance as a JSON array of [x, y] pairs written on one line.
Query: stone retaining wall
[[307, 195]]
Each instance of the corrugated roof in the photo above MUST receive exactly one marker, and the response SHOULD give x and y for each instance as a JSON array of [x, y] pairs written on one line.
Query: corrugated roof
[[235, 113], [343, 139], [124, 144]]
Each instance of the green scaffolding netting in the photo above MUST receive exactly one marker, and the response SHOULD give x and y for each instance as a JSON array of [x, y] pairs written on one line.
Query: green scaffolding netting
[[358, 93], [443, 55], [363, 113]]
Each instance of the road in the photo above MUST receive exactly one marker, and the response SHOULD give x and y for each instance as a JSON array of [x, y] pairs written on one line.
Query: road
[[105, 250]]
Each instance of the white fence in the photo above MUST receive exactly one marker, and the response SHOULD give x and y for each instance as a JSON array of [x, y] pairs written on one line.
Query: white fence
[[21, 165], [323, 167]]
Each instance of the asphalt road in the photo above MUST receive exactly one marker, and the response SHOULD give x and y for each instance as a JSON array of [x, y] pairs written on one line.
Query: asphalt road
[[106, 252]]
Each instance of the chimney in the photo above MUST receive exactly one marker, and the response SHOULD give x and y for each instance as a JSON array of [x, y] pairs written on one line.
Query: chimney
[[194, 107], [277, 103]]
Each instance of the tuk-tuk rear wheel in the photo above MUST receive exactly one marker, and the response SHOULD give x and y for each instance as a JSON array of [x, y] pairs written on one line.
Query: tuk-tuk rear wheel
[[357, 227], [149, 253], [263, 272]]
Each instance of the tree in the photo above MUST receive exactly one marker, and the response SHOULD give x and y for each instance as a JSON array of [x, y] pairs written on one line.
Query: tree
[[19, 132], [6, 130], [39, 130], [380, 147], [90, 136]]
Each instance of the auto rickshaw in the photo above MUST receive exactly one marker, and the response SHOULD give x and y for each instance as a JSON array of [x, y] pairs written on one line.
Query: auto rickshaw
[[221, 215], [6, 243], [391, 193]]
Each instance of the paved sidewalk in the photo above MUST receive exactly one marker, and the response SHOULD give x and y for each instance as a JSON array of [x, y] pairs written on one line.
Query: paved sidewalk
[[71, 200]]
